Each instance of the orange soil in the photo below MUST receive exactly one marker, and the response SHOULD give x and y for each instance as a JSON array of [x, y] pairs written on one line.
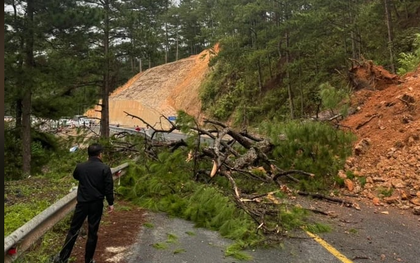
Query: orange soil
[[387, 123]]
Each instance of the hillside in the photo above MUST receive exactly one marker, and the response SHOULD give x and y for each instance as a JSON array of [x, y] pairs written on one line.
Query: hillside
[[387, 153], [161, 90]]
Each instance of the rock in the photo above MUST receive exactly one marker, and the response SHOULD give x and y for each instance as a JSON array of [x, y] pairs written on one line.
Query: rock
[[415, 201], [397, 183], [342, 174], [349, 184], [376, 201], [403, 207], [370, 195], [404, 194], [416, 210], [350, 162], [362, 146], [391, 199]]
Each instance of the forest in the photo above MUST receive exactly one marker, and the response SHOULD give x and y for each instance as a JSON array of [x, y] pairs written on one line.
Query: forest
[[277, 58], [279, 65]]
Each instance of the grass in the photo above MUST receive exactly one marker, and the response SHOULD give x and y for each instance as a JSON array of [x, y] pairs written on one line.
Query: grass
[[352, 231], [160, 245], [171, 238], [385, 192]]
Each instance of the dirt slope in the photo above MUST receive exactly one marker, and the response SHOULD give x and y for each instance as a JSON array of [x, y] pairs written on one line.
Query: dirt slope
[[387, 123], [162, 90]]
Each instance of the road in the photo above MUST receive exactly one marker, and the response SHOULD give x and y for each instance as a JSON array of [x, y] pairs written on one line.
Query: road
[[373, 234]]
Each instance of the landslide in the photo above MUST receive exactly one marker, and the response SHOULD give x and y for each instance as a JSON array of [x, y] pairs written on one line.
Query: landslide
[[386, 159], [162, 90]]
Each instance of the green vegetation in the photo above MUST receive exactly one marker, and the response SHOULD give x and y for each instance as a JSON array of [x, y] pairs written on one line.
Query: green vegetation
[[235, 251], [362, 180], [385, 192], [178, 251], [353, 231], [160, 245], [19, 214], [317, 228], [409, 61], [313, 147], [276, 68], [171, 238], [148, 225]]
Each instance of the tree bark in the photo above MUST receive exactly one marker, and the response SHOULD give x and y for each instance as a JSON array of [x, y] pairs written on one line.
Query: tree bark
[[26, 101], [105, 86], [289, 85], [387, 4]]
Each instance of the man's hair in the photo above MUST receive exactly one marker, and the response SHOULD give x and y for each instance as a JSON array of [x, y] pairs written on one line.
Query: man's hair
[[94, 149]]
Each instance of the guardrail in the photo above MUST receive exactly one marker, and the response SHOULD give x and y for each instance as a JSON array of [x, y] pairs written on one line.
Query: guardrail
[[22, 238]]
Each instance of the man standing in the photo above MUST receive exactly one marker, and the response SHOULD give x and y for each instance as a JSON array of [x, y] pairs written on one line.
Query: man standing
[[95, 184]]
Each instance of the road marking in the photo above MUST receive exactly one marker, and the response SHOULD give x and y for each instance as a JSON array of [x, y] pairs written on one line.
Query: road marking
[[330, 248]]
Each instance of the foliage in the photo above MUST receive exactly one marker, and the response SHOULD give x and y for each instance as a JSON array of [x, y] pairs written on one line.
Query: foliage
[[334, 99], [167, 184], [43, 145], [234, 250], [17, 215], [318, 228], [313, 147], [409, 61]]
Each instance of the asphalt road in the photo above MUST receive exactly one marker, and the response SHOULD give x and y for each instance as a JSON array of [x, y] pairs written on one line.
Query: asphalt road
[[366, 235]]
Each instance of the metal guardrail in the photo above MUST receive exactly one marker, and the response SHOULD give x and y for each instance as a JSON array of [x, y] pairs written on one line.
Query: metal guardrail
[[22, 238]]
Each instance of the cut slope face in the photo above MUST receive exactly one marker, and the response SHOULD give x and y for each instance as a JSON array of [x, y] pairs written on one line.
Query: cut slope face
[[387, 153], [162, 90]]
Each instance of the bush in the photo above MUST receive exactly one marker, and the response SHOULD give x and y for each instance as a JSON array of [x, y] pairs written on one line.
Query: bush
[[410, 61]]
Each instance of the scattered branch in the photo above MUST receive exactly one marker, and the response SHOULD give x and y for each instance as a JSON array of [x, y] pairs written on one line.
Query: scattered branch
[[366, 122]]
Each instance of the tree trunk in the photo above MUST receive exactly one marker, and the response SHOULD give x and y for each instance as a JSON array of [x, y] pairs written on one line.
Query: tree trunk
[[387, 4], [26, 102], [18, 115], [140, 65], [289, 86], [105, 86]]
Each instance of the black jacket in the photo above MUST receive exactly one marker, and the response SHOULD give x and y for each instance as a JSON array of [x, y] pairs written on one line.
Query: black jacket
[[95, 181]]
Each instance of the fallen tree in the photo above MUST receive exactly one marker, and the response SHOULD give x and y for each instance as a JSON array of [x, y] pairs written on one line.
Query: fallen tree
[[237, 156]]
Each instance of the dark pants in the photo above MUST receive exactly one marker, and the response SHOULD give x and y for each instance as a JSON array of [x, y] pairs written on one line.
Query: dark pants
[[93, 211]]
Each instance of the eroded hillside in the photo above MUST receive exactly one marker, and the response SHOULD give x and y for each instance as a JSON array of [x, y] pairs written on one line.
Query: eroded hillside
[[387, 154], [158, 91]]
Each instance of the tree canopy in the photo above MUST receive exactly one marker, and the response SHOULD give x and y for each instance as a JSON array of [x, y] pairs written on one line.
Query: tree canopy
[[62, 56]]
